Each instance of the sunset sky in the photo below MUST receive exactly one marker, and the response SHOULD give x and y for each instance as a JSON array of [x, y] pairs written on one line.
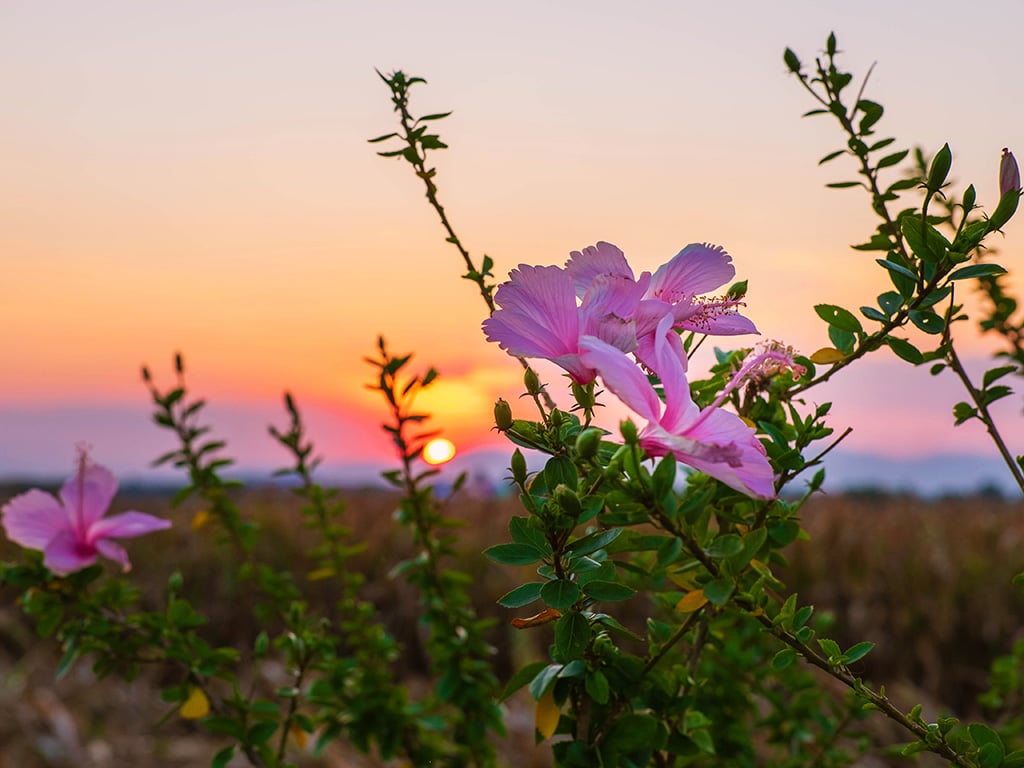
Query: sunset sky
[[194, 176]]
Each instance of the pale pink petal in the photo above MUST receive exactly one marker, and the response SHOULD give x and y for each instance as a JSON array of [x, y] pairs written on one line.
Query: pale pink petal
[[750, 472], [32, 519], [722, 325], [613, 295], [622, 376], [669, 367], [126, 525], [67, 553], [114, 552], [538, 315], [601, 259], [697, 269], [87, 494]]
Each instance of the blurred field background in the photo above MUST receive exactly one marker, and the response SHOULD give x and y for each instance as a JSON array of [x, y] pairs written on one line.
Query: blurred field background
[[929, 582]]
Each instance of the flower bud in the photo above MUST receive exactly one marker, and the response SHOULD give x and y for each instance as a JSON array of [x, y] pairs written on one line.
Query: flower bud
[[502, 415], [518, 467], [531, 382], [628, 429], [587, 443], [1009, 173], [568, 500]]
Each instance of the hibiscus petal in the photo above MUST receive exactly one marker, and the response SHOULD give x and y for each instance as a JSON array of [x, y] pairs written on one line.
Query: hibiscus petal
[[670, 368], [66, 553], [601, 259], [114, 552], [722, 325], [697, 269], [32, 519], [750, 472], [126, 525], [538, 315], [88, 493], [622, 376]]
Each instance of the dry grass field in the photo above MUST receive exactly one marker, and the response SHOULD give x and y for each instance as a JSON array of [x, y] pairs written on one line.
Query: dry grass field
[[929, 582]]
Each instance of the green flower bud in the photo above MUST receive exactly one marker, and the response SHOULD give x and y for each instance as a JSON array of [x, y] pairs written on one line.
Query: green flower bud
[[628, 429], [587, 443], [518, 467], [584, 395], [531, 382], [502, 415], [568, 500]]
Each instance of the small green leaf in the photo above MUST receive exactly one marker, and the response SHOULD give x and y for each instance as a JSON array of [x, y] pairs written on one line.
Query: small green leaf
[[904, 349], [514, 554], [572, 635], [522, 595], [976, 270], [997, 373], [783, 658], [858, 651], [597, 686], [607, 590], [719, 590], [893, 159], [927, 321], [724, 546], [838, 317], [560, 594]]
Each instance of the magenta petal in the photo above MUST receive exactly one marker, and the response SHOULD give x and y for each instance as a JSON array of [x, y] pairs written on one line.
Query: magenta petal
[[595, 260], [752, 473], [622, 376], [67, 553], [670, 367], [88, 493], [114, 552], [697, 269], [126, 525], [34, 518]]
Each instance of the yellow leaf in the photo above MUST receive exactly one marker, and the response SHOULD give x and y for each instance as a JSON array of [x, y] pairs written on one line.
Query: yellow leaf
[[547, 714], [299, 736], [827, 355], [683, 579], [321, 573], [196, 705], [201, 518], [750, 423], [692, 601]]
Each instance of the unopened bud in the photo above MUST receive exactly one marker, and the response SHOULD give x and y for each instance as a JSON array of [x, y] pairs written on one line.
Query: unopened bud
[[518, 467], [584, 395], [628, 429], [502, 415], [568, 500], [1009, 173], [531, 382], [587, 443]]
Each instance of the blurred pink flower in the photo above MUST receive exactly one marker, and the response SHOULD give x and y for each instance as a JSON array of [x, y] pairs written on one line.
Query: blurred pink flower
[[72, 532], [710, 440], [1009, 173]]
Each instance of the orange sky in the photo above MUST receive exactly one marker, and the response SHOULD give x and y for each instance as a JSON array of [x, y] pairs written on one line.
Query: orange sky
[[194, 176]]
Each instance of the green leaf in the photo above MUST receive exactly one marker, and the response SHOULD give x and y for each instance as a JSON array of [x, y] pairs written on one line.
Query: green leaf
[[523, 533], [873, 314], [844, 184], [962, 412], [890, 302], [924, 240], [997, 373], [858, 651], [838, 317], [724, 546], [223, 757], [632, 732], [897, 269], [893, 159], [597, 686], [514, 554], [594, 541], [560, 594], [831, 156], [904, 349], [783, 658], [572, 635], [664, 476], [261, 732], [976, 270], [927, 321], [522, 595], [521, 678], [560, 471], [718, 591], [607, 590], [543, 679], [829, 647]]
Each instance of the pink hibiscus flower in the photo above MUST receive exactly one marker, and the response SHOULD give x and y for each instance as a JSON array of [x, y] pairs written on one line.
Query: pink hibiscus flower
[[539, 317], [675, 289], [72, 532], [710, 440]]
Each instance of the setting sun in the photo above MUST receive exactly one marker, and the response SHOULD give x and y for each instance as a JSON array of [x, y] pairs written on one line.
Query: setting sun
[[438, 451]]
